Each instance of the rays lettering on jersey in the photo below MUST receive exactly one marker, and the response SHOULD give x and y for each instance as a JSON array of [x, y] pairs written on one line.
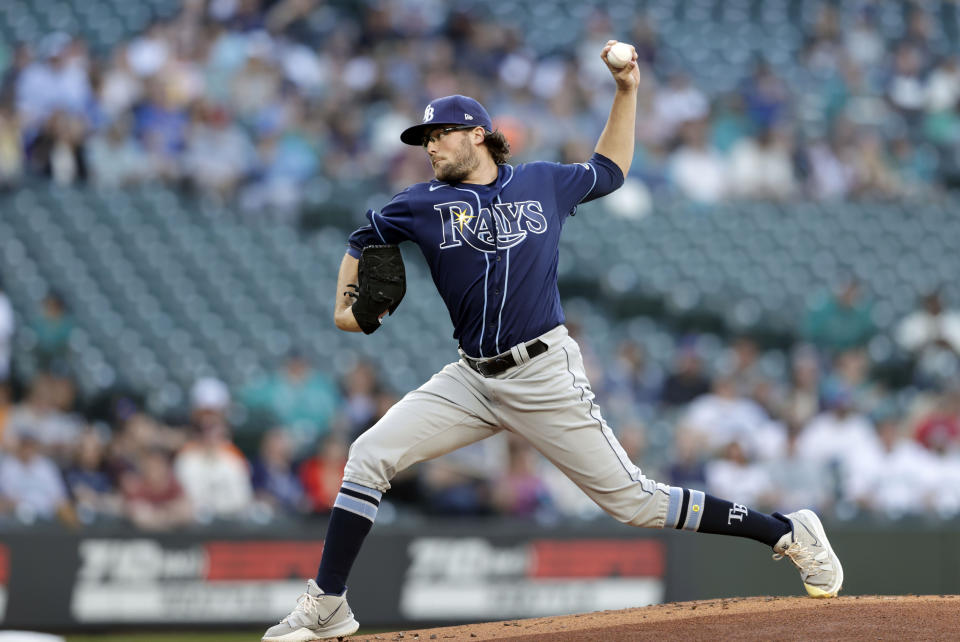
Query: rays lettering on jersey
[[513, 222]]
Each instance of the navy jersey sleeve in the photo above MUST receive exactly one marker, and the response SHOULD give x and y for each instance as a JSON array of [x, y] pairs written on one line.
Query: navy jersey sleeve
[[581, 182], [389, 226]]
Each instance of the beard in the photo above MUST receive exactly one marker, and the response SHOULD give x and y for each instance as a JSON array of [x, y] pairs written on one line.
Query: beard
[[464, 161]]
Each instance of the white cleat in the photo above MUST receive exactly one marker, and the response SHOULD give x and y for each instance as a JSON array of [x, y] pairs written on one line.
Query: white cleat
[[808, 548], [317, 617]]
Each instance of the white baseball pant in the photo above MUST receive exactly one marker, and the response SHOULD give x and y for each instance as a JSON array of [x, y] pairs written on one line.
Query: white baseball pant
[[546, 400]]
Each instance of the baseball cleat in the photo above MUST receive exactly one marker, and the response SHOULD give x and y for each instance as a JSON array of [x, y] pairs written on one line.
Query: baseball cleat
[[807, 547], [316, 617]]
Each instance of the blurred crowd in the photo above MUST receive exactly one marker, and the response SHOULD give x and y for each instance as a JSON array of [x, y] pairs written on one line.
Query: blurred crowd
[[239, 100], [824, 434], [257, 101]]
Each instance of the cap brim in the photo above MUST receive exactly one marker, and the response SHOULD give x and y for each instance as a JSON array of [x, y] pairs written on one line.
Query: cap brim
[[414, 135]]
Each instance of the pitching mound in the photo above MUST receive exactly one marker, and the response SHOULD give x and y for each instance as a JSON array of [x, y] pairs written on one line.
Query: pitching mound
[[858, 617]]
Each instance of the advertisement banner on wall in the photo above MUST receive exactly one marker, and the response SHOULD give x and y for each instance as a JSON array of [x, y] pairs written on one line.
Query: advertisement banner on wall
[[471, 578], [483, 571], [146, 580]]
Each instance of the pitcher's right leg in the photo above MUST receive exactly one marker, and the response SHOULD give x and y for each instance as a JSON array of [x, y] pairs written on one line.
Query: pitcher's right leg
[[444, 414]]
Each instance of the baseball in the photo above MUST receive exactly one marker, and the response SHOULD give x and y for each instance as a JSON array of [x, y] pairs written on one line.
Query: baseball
[[620, 54]]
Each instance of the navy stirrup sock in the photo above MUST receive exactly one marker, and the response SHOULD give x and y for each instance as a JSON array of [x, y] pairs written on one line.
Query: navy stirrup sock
[[694, 510], [353, 514]]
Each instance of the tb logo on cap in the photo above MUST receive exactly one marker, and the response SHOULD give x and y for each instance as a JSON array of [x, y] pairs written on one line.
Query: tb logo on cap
[[428, 114]]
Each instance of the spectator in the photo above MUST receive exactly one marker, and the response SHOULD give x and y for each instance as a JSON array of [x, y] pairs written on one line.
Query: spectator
[[831, 173], [148, 53], [939, 429], [461, 482], [161, 124], [139, 434], [729, 123], [209, 401], [21, 58], [153, 498], [115, 158], [321, 474], [797, 481], [7, 326], [838, 437], [687, 464], [863, 43], [740, 362], [943, 86], [905, 88], [12, 161], [946, 500], [57, 81], [762, 167], [272, 475], [6, 407], [874, 174], [678, 103], [722, 416], [823, 49], [53, 329], [765, 96], [218, 153], [687, 381], [803, 398], [839, 321], [520, 492], [850, 372], [896, 479], [31, 486], [363, 399], [58, 151], [214, 474], [916, 165], [90, 485], [120, 88], [257, 84], [632, 376], [733, 474], [39, 418], [931, 334], [698, 170], [449, 490], [284, 162], [297, 397]]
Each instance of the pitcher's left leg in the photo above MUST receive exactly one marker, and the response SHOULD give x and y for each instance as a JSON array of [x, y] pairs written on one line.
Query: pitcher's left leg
[[549, 402]]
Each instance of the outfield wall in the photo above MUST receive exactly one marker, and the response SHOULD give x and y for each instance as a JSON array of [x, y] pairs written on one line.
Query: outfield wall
[[428, 573]]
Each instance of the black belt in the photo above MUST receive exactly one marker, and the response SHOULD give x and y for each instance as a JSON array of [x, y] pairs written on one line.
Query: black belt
[[503, 362]]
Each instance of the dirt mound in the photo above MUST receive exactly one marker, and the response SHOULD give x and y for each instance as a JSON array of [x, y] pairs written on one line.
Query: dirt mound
[[857, 617]]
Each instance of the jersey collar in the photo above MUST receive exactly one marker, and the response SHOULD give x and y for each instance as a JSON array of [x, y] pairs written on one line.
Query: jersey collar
[[504, 174]]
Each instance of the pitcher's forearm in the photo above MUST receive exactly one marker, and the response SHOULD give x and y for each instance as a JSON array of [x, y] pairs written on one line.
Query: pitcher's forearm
[[616, 141], [342, 314]]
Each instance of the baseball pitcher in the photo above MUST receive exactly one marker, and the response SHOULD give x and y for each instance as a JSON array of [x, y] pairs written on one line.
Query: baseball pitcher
[[490, 233]]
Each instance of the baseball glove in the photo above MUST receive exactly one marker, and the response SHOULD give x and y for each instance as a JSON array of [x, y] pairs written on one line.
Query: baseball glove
[[382, 285]]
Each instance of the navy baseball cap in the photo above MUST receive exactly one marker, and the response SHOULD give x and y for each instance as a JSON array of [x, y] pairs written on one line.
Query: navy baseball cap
[[449, 110]]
